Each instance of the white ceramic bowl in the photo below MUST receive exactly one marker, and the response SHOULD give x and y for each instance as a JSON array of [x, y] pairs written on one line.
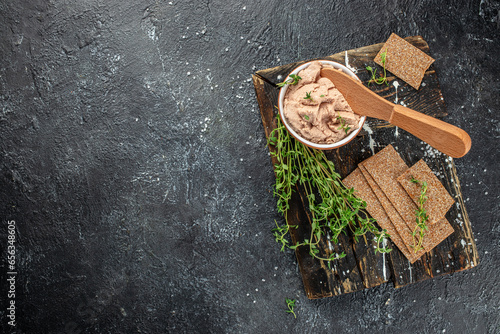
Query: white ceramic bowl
[[295, 134]]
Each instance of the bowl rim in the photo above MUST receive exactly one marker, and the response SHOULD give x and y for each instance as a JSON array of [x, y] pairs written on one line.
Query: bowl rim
[[294, 134]]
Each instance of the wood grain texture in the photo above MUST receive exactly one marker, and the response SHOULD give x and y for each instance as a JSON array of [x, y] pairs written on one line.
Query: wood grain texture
[[361, 268], [443, 136]]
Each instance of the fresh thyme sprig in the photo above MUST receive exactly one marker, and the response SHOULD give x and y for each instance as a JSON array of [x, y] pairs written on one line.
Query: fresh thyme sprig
[[333, 207], [308, 96], [421, 216], [343, 124], [279, 234], [293, 80], [290, 303], [382, 78]]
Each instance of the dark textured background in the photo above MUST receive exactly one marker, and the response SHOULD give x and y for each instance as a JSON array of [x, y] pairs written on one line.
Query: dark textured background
[[134, 163]]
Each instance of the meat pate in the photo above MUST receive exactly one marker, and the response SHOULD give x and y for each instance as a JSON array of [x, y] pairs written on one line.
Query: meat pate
[[316, 110]]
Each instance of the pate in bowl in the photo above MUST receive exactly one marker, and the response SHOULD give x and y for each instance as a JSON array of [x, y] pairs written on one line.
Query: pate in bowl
[[313, 111]]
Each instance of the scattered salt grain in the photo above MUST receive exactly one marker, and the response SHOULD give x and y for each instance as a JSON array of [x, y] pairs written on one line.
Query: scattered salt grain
[[396, 85]]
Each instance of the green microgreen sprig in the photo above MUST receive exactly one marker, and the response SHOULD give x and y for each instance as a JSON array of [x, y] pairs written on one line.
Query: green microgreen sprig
[[290, 303], [382, 78], [343, 125], [293, 80], [308, 96], [333, 207], [421, 216]]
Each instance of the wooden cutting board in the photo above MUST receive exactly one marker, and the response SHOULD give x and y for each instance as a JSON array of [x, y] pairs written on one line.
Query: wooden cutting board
[[361, 268]]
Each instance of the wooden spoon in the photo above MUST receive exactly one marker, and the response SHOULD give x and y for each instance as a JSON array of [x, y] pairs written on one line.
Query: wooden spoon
[[444, 137]]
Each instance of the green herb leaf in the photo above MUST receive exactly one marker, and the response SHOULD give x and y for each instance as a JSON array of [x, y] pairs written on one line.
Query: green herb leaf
[[292, 80], [290, 303], [421, 216], [308, 96], [333, 207], [343, 124], [373, 72]]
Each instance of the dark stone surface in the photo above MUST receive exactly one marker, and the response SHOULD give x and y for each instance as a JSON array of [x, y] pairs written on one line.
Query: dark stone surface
[[133, 162]]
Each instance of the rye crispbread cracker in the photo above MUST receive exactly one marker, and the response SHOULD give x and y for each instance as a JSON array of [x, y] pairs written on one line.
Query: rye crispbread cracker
[[363, 190], [433, 237], [438, 201], [401, 227], [436, 234], [404, 60], [384, 168]]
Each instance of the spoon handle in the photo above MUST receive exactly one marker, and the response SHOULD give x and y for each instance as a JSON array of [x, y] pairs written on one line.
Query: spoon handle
[[443, 136]]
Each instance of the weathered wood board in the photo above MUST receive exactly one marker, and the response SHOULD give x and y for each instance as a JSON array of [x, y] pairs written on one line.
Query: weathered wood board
[[361, 268]]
